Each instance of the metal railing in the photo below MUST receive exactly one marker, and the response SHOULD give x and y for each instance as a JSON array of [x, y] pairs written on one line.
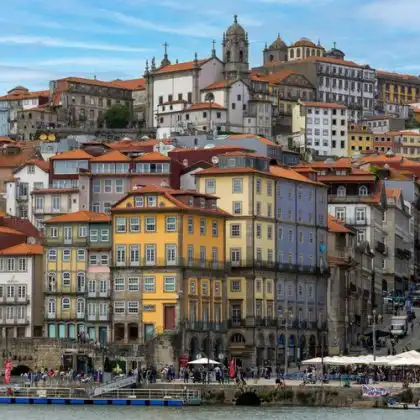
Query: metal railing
[[155, 394], [114, 385]]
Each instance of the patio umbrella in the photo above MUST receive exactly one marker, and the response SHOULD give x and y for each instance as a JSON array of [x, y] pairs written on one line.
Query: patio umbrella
[[204, 361], [314, 361]]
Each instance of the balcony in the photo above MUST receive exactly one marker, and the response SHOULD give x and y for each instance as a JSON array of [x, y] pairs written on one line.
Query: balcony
[[14, 321], [205, 326], [97, 294], [178, 262], [97, 318], [59, 290], [17, 300], [22, 197], [403, 254], [236, 323], [332, 198], [253, 263]]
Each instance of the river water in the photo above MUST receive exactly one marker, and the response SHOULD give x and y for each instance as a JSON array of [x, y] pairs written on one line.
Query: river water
[[16, 412]]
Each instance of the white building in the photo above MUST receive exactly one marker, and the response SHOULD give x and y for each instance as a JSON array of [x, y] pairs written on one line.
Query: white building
[[242, 104], [31, 176], [21, 307], [324, 125]]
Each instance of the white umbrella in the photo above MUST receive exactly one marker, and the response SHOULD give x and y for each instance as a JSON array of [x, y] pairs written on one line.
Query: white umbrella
[[314, 361], [204, 361]]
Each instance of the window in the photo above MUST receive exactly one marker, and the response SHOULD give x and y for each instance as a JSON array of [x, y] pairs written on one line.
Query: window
[[119, 307], [235, 231], [53, 232], [269, 232], [237, 208], [133, 284], [104, 235], [150, 254], [66, 254], [108, 186], [65, 304], [138, 201], [235, 256], [269, 188], [259, 230], [363, 190], [361, 236], [65, 277], [151, 201], [190, 225], [120, 224], [119, 186], [235, 285], [83, 231], [132, 307], [269, 210], [149, 284], [134, 223], [170, 224], [150, 224], [51, 306], [93, 235], [340, 213], [258, 208], [134, 254], [214, 229], [258, 185], [202, 254], [237, 185], [52, 255], [81, 254], [210, 186], [119, 284], [170, 251], [341, 191], [360, 215], [290, 235], [22, 264], [202, 226], [121, 250], [169, 284], [301, 237]]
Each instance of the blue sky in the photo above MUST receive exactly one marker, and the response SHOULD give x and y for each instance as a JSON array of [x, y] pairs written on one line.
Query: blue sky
[[47, 39]]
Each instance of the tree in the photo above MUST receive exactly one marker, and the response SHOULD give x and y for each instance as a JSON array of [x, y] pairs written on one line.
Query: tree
[[118, 116], [412, 123]]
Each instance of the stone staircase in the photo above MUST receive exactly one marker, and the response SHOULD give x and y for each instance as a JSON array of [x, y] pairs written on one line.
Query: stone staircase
[[114, 385]]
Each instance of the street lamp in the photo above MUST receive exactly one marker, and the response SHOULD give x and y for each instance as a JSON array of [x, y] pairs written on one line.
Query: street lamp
[[374, 320], [286, 317]]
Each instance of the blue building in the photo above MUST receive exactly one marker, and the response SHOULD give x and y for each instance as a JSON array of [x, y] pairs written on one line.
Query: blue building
[[301, 284]]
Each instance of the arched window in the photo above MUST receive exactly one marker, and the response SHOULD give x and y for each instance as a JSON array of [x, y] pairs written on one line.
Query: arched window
[[298, 53], [271, 58], [81, 282], [52, 282], [292, 54], [237, 339], [363, 190], [241, 55], [341, 191], [51, 306], [228, 56], [308, 52], [318, 53], [65, 304], [80, 306]]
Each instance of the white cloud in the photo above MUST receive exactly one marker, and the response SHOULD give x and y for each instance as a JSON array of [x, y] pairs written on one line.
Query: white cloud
[[394, 14], [62, 43], [194, 30], [16, 74]]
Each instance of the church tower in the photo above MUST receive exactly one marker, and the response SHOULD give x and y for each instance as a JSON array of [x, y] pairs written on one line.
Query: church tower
[[235, 51]]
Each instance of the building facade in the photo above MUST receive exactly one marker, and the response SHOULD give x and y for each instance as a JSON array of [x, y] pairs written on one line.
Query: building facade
[[78, 276], [21, 296], [360, 139]]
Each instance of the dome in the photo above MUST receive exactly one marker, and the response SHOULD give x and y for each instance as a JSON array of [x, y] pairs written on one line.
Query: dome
[[278, 44], [305, 42], [235, 28]]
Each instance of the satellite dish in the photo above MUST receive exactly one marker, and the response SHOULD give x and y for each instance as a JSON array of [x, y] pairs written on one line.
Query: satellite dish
[[215, 160], [209, 146], [185, 162]]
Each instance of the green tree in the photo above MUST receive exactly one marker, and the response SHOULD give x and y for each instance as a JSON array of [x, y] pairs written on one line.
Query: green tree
[[412, 123], [118, 116]]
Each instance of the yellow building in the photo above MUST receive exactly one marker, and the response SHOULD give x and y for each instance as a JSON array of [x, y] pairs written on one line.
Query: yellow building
[[247, 190], [77, 275], [173, 241], [360, 139]]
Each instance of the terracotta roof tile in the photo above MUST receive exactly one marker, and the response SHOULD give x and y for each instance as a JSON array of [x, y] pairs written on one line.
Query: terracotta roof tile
[[185, 66], [23, 249], [305, 43], [244, 153], [221, 84], [72, 154], [132, 84], [347, 178], [337, 226], [25, 95], [342, 163], [274, 78], [41, 164], [113, 156], [153, 156], [405, 77], [204, 105], [290, 174], [10, 231], [323, 105], [81, 217], [393, 192], [26, 153], [24, 226], [225, 171], [331, 60], [93, 82]]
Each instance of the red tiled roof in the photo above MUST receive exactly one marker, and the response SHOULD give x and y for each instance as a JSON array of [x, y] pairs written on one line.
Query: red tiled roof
[[393, 192], [81, 217], [93, 82], [72, 154], [25, 95], [330, 60], [113, 156], [204, 105], [244, 153], [287, 173], [153, 156], [132, 84], [405, 77], [323, 105], [41, 164], [23, 249], [24, 226], [305, 43], [275, 78], [185, 66], [347, 178], [337, 226], [225, 171], [27, 152], [221, 84], [10, 231]]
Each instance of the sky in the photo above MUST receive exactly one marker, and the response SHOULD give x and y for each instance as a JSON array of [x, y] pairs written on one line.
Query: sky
[[43, 40]]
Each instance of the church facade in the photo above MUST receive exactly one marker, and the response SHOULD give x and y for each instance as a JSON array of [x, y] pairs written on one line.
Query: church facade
[[209, 94]]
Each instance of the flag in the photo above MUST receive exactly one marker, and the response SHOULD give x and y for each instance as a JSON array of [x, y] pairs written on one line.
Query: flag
[[232, 369], [371, 391], [7, 371]]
